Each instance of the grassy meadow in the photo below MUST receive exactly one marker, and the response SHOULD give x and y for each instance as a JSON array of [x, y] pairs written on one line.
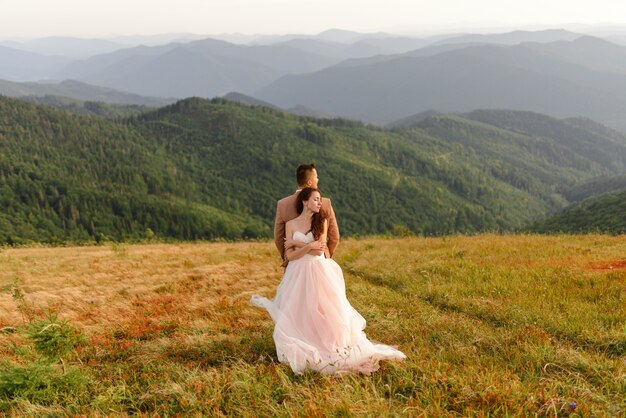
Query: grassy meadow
[[493, 325]]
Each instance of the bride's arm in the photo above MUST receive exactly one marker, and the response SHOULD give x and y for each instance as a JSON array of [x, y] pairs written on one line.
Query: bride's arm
[[293, 243], [292, 253], [311, 247]]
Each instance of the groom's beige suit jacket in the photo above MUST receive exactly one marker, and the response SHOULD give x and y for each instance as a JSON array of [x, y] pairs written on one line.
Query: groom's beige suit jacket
[[286, 211]]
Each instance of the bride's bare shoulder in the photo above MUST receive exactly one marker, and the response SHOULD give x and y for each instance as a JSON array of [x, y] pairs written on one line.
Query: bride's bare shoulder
[[292, 222]]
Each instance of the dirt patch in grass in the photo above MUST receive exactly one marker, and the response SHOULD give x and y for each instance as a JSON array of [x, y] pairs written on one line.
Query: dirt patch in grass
[[608, 265]]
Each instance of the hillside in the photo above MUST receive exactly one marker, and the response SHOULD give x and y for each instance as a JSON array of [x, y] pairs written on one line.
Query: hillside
[[64, 177], [596, 187], [602, 145], [202, 169], [606, 214]]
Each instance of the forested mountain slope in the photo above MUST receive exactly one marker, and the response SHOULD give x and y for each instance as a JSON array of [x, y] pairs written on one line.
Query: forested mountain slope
[[606, 213], [202, 169]]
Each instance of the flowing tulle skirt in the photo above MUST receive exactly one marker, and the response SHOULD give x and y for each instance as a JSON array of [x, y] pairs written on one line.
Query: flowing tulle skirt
[[315, 325]]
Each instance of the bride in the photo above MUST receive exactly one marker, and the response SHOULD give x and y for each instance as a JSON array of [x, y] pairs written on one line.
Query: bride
[[315, 325]]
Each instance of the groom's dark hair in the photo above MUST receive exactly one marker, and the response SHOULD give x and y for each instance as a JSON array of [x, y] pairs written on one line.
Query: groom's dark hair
[[303, 173]]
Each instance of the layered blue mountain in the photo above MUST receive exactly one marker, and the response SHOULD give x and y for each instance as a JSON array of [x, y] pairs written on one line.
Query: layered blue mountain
[[18, 65], [377, 78], [204, 68], [71, 89], [73, 48], [512, 38], [584, 77]]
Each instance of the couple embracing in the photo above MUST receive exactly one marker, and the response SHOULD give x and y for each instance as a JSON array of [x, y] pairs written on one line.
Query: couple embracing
[[315, 325]]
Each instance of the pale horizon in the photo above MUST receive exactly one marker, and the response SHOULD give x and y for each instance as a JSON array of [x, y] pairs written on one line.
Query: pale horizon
[[30, 19]]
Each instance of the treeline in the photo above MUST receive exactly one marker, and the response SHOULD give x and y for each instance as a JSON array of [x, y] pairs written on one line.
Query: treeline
[[205, 169]]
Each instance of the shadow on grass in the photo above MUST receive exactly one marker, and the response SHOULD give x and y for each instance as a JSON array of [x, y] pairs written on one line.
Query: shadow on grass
[[393, 283], [615, 348], [250, 348]]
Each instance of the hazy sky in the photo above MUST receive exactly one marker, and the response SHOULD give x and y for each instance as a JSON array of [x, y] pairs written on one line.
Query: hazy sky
[[98, 18]]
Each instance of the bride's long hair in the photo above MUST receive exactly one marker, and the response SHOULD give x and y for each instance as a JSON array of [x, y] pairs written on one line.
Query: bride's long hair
[[317, 221]]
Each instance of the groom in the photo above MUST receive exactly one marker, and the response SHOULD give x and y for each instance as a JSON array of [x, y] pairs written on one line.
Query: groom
[[306, 176]]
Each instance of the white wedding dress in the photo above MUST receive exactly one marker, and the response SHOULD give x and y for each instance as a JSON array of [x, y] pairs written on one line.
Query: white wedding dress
[[315, 325]]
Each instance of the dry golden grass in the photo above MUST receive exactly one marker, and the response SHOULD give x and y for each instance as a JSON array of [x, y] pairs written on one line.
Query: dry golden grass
[[94, 286], [493, 325]]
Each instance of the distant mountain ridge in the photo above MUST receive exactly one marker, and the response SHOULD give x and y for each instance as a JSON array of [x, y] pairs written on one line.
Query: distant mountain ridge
[[79, 91], [532, 77], [204, 68], [513, 38], [246, 100], [183, 65], [75, 48], [413, 120], [18, 65], [296, 110]]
